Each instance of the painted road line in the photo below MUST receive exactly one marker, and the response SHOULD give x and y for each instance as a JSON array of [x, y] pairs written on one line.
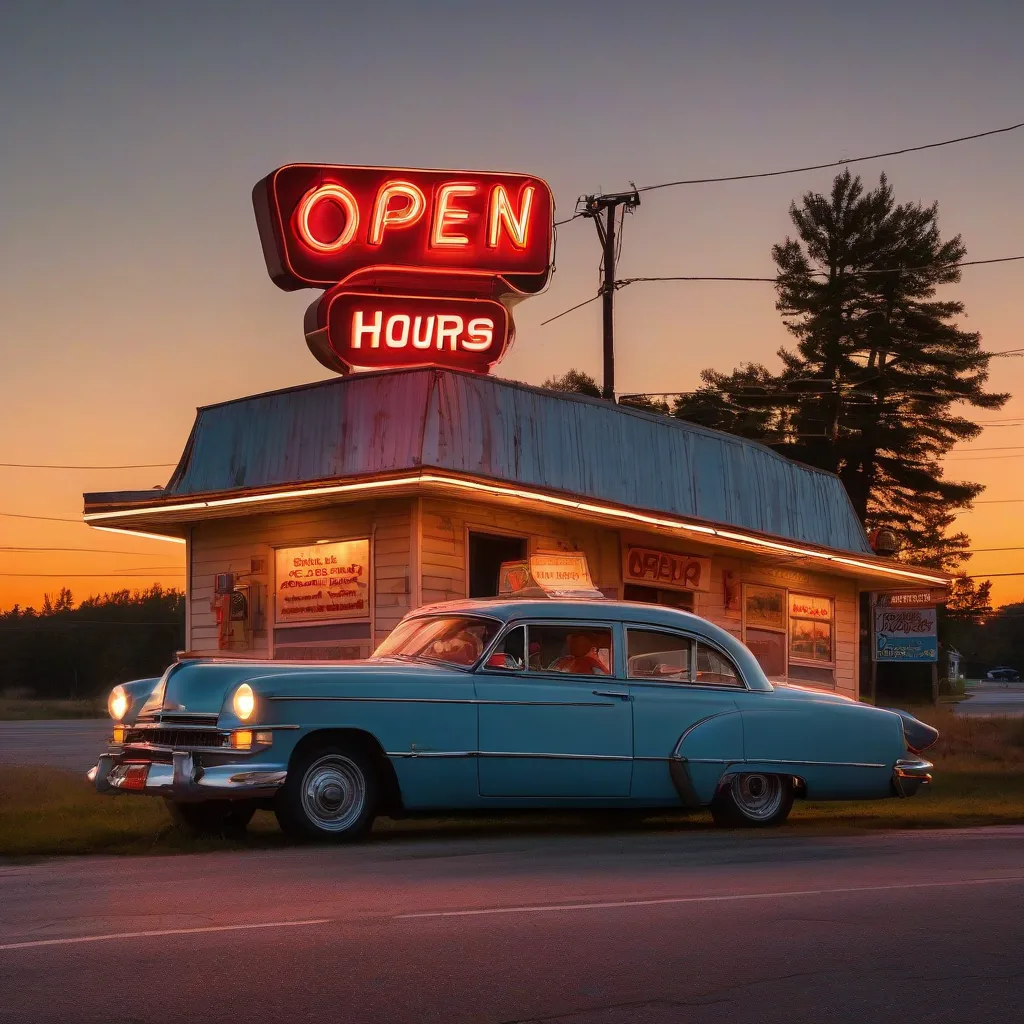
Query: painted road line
[[731, 898], [110, 936]]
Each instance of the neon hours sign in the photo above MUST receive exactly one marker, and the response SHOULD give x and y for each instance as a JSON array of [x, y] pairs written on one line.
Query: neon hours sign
[[420, 267]]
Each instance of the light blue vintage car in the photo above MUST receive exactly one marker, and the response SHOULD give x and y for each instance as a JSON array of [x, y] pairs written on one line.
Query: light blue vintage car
[[503, 704]]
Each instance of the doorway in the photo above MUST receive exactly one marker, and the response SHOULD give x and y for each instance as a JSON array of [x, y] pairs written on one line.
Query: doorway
[[486, 553]]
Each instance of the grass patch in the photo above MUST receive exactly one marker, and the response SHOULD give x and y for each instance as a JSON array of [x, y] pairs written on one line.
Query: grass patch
[[17, 709], [46, 811], [979, 780]]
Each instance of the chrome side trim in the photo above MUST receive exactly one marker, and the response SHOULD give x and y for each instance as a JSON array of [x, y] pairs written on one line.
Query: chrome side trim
[[508, 753], [769, 760], [455, 700]]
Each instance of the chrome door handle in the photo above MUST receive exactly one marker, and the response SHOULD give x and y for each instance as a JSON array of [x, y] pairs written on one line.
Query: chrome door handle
[[621, 694]]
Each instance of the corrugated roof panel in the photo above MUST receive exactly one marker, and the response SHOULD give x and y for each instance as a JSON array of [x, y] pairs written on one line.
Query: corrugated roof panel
[[384, 422]]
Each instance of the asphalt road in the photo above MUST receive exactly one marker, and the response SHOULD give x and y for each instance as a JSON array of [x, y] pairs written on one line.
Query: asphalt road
[[991, 699], [73, 744], [644, 928]]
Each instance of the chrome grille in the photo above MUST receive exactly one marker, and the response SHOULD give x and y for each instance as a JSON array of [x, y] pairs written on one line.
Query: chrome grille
[[178, 720], [179, 739]]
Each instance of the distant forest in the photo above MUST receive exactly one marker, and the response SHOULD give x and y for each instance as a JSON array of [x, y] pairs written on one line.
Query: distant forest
[[63, 651]]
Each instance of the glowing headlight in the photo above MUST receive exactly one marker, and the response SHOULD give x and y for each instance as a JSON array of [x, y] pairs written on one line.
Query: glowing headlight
[[117, 703], [244, 702]]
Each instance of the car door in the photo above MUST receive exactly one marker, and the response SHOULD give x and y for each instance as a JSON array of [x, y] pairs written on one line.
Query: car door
[[554, 721], [677, 680]]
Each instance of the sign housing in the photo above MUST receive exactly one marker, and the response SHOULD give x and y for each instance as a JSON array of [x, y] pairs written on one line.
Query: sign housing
[[418, 240]]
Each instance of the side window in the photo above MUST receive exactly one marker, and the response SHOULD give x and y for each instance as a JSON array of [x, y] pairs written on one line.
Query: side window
[[510, 654], [577, 650], [657, 656], [715, 668]]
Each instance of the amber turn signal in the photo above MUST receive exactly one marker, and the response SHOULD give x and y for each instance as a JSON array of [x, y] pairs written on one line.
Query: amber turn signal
[[241, 739], [119, 734]]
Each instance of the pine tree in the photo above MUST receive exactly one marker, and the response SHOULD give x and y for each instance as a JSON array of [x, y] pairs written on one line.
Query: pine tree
[[872, 388]]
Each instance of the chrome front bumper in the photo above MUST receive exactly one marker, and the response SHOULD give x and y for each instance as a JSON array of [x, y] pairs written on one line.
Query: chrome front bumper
[[185, 780], [909, 774]]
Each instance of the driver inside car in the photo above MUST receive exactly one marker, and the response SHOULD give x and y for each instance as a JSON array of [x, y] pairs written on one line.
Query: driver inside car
[[462, 649], [583, 658]]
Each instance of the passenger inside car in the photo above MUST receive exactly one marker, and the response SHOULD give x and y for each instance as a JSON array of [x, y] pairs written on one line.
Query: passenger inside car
[[583, 657]]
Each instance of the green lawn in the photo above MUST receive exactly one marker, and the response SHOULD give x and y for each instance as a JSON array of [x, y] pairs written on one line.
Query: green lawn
[[979, 780]]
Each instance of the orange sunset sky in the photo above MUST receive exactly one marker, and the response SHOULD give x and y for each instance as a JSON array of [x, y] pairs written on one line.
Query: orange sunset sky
[[133, 287]]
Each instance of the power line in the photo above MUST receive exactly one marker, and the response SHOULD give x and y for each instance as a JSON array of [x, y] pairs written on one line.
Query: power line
[[93, 551], [56, 626], [625, 282], [1001, 448], [993, 575], [834, 163], [821, 273], [997, 501], [571, 309], [48, 519], [981, 458], [33, 465], [141, 574]]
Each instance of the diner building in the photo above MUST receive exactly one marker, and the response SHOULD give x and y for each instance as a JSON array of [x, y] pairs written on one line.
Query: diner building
[[315, 517]]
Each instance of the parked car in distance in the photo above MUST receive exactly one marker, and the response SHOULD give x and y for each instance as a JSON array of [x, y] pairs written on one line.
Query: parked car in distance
[[1003, 674], [503, 704]]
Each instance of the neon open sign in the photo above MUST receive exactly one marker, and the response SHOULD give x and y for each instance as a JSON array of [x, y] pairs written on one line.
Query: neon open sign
[[441, 249]]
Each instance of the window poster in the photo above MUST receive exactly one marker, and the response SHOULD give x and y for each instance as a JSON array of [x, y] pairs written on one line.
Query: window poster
[[323, 582], [764, 606]]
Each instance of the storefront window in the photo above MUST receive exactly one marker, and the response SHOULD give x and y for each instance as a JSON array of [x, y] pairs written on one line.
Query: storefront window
[[810, 628], [769, 647], [765, 621]]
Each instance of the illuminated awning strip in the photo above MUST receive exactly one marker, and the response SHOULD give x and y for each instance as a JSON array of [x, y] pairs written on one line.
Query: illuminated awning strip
[[459, 483]]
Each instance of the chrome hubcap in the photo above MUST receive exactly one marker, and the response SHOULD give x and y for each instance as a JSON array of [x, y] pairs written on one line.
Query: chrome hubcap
[[333, 793], [759, 797]]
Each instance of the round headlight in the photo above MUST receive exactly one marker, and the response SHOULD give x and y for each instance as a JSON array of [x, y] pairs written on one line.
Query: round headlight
[[117, 703], [244, 702]]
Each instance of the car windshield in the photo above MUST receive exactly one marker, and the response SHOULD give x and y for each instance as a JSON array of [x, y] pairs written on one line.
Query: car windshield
[[450, 639]]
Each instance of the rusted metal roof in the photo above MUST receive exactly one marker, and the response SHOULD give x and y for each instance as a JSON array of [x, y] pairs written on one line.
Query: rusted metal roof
[[376, 423]]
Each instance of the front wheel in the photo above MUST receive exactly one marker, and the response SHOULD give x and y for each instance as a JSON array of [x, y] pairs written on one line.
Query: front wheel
[[330, 794], [753, 801]]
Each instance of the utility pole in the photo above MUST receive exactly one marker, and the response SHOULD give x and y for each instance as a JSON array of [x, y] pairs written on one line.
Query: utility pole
[[594, 207]]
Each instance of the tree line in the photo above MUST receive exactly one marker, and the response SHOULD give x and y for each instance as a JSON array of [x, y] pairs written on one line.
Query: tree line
[[68, 652]]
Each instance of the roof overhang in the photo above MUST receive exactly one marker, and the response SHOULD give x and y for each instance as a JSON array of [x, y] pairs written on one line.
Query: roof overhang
[[169, 519]]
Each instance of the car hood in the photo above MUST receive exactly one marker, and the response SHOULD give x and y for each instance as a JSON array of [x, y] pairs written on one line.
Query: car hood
[[202, 687]]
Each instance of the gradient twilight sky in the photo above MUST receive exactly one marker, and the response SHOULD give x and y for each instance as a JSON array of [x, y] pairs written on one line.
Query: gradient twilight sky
[[132, 285]]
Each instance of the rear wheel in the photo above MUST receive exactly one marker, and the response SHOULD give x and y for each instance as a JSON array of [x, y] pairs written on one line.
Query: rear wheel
[[212, 817], [753, 800], [331, 793]]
